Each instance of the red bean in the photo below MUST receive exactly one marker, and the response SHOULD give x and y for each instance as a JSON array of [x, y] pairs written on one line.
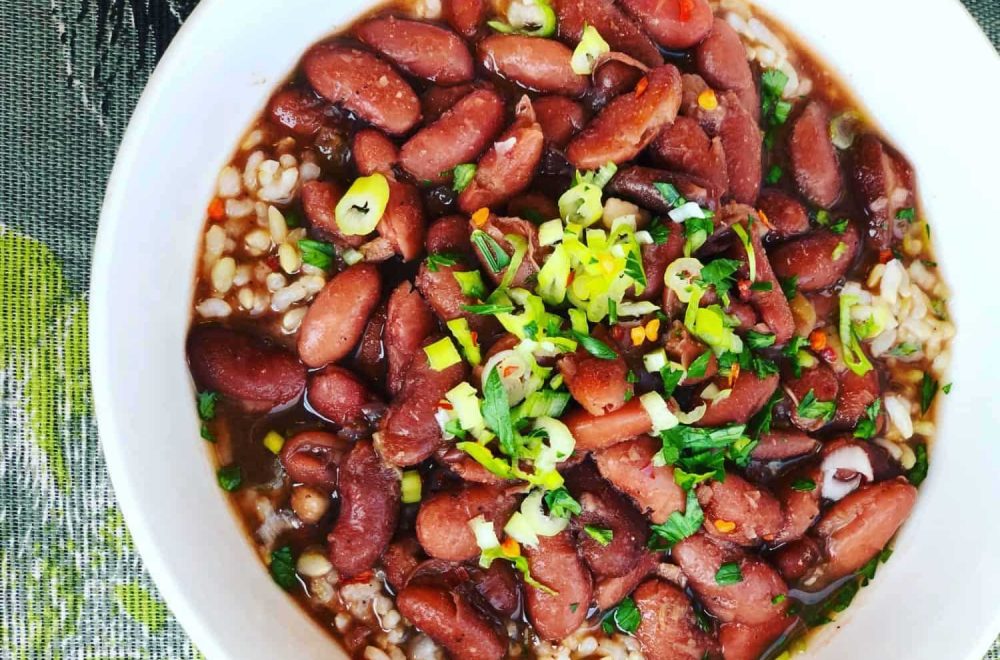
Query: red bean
[[539, 65], [748, 601], [369, 509], [599, 385], [822, 382], [609, 591], [449, 234], [363, 84], [594, 432], [611, 78], [337, 317], [409, 321], [621, 33], [721, 59], [373, 152], [783, 445], [628, 123], [535, 207], [313, 458], [749, 395], [466, 467], [755, 512], [299, 111], [339, 396], [786, 216], [438, 100], [403, 223], [814, 159], [369, 358], [629, 467], [400, 559], [410, 432], [255, 373], [668, 628], [771, 304], [442, 292], [800, 508], [499, 229], [319, 199], [443, 521], [795, 559], [459, 136], [636, 184], [883, 183], [465, 16], [684, 146], [448, 619], [692, 87], [683, 348], [421, 49], [742, 142], [674, 24], [507, 168], [657, 258], [745, 642], [856, 528], [560, 118], [856, 394], [499, 587], [556, 564], [818, 259]]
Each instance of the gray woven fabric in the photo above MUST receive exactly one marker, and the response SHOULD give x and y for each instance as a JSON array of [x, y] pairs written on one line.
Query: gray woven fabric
[[71, 584]]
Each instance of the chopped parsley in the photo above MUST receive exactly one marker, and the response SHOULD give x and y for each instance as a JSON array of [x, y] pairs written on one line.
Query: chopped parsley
[[867, 425], [774, 109], [595, 346], [791, 351], [928, 389], [625, 617], [282, 567], [659, 231], [908, 214], [671, 379], [561, 504], [699, 365], [918, 472], [778, 599], [602, 535], [946, 389], [230, 477], [438, 259], [774, 175], [761, 286], [804, 485], [905, 349], [761, 422], [463, 175], [679, 526], [811, 408], [789, 286], [488, 309], [839, 227], [670, 194], [728, 573], [719, 274], [759, 339], [316, 253], [206, 405], [496, 412]]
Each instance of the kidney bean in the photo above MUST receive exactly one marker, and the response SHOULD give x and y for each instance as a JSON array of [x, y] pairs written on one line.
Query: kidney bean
[[786, 216], [555, 564], [755, 512], [448, 619], [629, 122], [811, 258], [745, 642], [539, 65], [674, 24], [721, 59], [783, 445], [684, 146], [442, 292], [459, 136], [821, 381], [749, 395], [611, 78], [744, 313], [369, 358], [256, 374], [507, 168], [560, 119], [742, 142], [465, 16], [437, 100], [629, 467], [800, 508], [319, 199], [312, 458], [409, 321], [748, 601], [635, 183], [301, 112], [855, 395], [813, 157], [609, 591], [772, 304], [856, 528], [339, 396], [369, 509], [668, 628], [883, 183], [683, 348], [363, 84], [598, 385], [793, 560], [403, 222], [621, 33], [499, 229], [499, 587], [692, 87], [409, 432], [594, 432], [656, 259], [373, 152], [443, 521], [400, 559], [535, 207], [450, 234], [421, 49], [337, 317]]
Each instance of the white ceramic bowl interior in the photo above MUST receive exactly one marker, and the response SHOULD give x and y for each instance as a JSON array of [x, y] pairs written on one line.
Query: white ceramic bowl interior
[[928, 76]]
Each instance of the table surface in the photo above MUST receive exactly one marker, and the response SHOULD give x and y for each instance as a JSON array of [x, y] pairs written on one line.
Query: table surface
[[71, 583]]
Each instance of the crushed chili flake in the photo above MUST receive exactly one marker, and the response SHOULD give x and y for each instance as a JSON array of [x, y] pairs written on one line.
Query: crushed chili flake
[[885, 256], [817, 340], [475, 337], [217, 209], [685, 8], [743, 286], [638, 335], [360, 578], [510, 547], [734, 373], [828, 355], [724, 526], [707, 100], [763, 218], [273, 263], [444, 404], [653, 329], [480, 217], [640, 87], [509, 371]]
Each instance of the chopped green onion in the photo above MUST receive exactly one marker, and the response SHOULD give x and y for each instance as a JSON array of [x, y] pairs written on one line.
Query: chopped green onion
[[581, 204], [728, 573], [591, 47], [442, 354], [358, 212], [230, 477], [550, 232], [411, 487], [854, 356], [471, 283], [488, 309], [534, 18], [496, 258], [436, 260], [274, 442], [318, 254], [600, 534], [463, 175], [748, 246]]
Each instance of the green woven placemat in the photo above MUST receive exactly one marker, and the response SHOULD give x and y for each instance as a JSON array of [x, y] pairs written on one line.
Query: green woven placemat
[[71, 584]]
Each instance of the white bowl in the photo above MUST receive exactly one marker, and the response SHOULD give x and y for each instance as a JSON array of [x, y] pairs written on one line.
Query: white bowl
[[928, 76]]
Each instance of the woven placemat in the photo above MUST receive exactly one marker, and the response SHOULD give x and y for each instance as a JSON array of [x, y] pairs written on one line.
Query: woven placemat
[[71, 584]]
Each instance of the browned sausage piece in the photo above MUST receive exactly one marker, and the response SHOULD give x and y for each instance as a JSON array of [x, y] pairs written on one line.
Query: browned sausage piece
[[628, 123], [747, 601], [744, 642], [339, 396], [443, 521], [313, 457], [594, 432], [684, 146], [451, 621], [749, 395], [668, 628], [319, 199], [814, 159], [599, 385], [818, 259], [373, 152], [856, 394], [722, 61], [675, 24], [539, 65], [369, 509], [337, 317], [556, 564], [629, 467], [450, 234], [301, 112], [614, 26], [742, 142], [253, 372], [363, 84], [442, 292], [465, 16], [635, 184], [410, 432], [883, 182], [508, 167], [755, 514], [856, 528], [409, 321], [459, 136], [399, 559], [609, 591], [783, 444], [560, 118], [421, 49], [786, 216]]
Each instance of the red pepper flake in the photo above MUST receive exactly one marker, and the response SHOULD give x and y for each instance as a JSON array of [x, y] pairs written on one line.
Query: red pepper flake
[[571, 277], [509, 371], [445, 405], [360, 578], [475, 337], [817, 339], [273, 263], [684, 9], [828, 355], [885, 256], [640, 87], [617, 332], [743, 286], [217, 210]]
